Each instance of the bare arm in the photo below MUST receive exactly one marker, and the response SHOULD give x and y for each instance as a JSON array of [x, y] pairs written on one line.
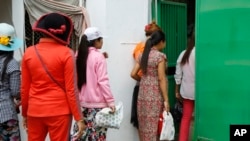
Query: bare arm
[[177, 92], [134, 72], [163, 83]]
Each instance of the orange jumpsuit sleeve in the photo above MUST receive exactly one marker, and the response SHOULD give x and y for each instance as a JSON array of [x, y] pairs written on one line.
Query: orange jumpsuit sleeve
[[71, 87], [25, 87]]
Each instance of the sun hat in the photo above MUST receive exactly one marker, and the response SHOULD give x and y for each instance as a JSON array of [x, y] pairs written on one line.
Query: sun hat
[[8, 40], [56, 25], [93, 33]]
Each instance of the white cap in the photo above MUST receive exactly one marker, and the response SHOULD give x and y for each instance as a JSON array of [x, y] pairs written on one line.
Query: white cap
[[92, 33]]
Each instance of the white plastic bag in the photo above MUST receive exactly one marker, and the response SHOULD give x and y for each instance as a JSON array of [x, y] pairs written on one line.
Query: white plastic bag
[[168, 130], [104, 118]]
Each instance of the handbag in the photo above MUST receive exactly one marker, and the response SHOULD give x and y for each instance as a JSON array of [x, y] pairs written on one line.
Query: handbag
[[177, 111], [106, 119], [168, 129]]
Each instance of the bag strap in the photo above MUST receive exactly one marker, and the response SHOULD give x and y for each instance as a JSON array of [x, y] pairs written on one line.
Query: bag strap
[[45, 68]]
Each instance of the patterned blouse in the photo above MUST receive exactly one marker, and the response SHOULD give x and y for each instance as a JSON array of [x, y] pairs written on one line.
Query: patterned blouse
[[9, 88]]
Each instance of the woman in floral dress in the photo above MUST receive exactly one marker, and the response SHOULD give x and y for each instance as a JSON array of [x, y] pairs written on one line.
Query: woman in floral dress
[[153, 94]]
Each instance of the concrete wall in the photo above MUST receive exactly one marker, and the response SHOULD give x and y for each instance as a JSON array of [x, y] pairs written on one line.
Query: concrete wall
[[18, 23], [122, 23]]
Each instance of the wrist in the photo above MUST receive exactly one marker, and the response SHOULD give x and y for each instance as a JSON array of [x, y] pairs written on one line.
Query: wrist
[[81, 120]]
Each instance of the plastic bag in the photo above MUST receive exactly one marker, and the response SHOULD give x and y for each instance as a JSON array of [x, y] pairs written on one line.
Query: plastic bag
[[160, 123], [168, 130], [105, 119]]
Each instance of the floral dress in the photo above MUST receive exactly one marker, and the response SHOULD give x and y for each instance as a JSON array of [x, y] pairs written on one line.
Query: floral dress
[[93, 133], [150, 100]]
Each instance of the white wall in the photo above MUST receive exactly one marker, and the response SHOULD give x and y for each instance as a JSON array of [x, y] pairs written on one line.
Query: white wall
[[18, 22], [122, 23]]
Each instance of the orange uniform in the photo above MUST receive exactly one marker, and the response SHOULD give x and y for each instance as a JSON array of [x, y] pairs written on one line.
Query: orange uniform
[[137, 52], [41, 96]]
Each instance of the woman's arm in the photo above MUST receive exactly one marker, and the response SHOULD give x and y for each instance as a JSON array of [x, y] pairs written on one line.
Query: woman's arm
[[134, 72], [178, 77], [163, 82]]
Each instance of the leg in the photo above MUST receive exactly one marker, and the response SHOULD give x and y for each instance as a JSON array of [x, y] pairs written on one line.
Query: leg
[[9, 131], [37, 130], [188, 106], [59, 127]]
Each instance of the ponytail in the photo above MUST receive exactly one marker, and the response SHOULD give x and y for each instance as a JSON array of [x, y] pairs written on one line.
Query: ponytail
[[144, 58], [155, 39], [81, 61], [190, 47]]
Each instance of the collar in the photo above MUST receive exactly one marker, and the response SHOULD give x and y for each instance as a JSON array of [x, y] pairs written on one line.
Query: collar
[[93, 48], [47, 40]]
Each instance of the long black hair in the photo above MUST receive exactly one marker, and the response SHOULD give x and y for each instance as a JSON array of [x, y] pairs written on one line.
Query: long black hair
[[154, 39], [81, 60], [190, 46], [9, 56]]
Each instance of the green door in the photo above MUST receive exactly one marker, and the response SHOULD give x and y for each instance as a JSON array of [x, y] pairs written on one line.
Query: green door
[[222, 67], [172, 18]]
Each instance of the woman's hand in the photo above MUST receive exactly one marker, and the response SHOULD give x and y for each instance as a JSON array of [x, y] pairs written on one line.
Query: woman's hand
[[112, 109], [166, 106], [81, 128], [178, 96], [25, 123], [105, 54]]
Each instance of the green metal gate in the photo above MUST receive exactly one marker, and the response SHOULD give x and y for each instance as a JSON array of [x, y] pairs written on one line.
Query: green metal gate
[[172, 18], [222, 70]]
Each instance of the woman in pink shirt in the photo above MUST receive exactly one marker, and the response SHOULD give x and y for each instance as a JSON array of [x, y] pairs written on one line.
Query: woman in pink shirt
[[93, 83]]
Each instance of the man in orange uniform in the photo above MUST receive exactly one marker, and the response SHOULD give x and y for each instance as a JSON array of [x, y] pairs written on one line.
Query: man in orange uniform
[[48, 86]]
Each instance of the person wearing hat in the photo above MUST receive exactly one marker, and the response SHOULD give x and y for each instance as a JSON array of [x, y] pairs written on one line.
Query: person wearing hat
[[9, 83], [48, 86], [93, 83]]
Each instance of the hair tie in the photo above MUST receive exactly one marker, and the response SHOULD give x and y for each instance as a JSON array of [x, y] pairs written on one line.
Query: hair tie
[[61, 30], [147, 27]]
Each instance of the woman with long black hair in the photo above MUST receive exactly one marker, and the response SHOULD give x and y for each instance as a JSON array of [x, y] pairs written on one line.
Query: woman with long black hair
[[93, 83], [153, 91], [185, 83]]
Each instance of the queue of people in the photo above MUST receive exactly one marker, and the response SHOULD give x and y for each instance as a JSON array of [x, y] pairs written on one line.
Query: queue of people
[[57, 85]]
